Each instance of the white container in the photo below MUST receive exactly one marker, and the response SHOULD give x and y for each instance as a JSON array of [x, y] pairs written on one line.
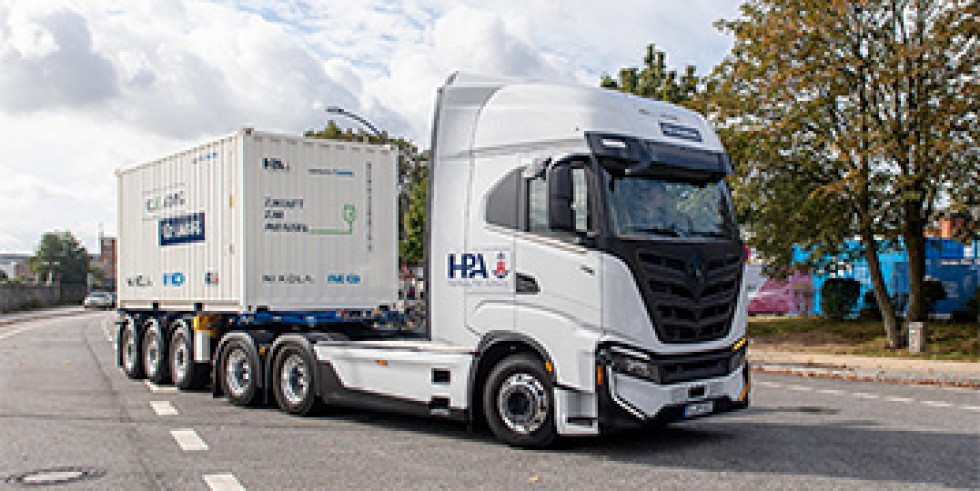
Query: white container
[[256, 221]]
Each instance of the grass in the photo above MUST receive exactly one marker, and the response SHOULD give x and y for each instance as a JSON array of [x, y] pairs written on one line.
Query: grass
[[945, 340]]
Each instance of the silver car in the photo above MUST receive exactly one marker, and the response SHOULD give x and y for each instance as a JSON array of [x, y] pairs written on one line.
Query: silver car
[[100, 300]]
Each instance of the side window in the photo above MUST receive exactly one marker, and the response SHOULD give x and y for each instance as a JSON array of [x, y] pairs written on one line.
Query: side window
[[504, 201], [580, 200], [537, 204]]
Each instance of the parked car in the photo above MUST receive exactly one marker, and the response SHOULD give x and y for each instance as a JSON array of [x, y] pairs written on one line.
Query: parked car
[[100, 300]]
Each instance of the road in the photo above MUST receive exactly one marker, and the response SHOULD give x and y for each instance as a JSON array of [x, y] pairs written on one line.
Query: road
[[65, 405]]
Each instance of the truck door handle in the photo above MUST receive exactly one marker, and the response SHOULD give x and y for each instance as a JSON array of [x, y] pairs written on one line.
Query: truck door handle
[[527, 285]]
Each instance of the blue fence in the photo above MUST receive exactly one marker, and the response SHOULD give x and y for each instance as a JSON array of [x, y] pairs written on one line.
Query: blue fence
[[956, 265]]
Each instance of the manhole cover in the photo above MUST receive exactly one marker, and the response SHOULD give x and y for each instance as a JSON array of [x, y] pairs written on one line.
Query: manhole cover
[[57, 475]]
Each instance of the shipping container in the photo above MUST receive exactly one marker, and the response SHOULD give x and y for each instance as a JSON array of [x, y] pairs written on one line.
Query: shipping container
[[256, 222]]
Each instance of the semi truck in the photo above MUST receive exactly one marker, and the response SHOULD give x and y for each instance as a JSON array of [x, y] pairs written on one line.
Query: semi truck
[[583, 268]]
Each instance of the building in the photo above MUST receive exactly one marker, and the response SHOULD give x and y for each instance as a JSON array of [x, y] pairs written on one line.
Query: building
[[107, 260], [14, 265]]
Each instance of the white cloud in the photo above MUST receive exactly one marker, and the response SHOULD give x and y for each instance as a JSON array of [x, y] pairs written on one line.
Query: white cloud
[[86, 87]]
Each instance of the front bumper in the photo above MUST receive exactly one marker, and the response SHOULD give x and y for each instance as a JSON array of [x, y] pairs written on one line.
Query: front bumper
[[628, 400]]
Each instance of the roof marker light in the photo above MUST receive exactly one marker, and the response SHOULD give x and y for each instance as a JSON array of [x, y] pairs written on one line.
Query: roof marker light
[[613, 143]]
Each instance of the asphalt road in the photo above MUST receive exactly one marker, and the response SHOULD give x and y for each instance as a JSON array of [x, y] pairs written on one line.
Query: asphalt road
[[65, 405]]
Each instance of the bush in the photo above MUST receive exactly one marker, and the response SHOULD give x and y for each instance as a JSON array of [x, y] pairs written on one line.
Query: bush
[[933, 291], [838, 297]]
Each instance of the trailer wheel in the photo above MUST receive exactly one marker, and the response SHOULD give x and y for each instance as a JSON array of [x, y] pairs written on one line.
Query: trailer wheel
[[129, 346], [294, 380], [186, 374], [239, 373], [518, 400], [155, 353]]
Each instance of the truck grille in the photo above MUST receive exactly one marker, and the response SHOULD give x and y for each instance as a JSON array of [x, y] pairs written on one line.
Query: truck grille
[[691, 292]]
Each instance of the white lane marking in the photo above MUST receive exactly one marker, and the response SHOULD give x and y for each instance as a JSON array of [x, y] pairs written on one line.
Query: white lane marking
[[223, 482], [163, 408], [16, 330], [156, 389], [937, 404], [833, 392], [865, 395], [971, 408], [899, 399], [799, 388], [769, 384], [189, 440]]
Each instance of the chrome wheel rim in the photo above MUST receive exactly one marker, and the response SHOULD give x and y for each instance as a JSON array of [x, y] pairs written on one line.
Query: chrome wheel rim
[[522, 403], [129, 347], [238, 372], [180, 358], [151, 355], [294, 379]]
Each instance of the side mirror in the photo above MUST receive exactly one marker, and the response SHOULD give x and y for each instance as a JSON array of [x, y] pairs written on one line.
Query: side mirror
[[560, 214]]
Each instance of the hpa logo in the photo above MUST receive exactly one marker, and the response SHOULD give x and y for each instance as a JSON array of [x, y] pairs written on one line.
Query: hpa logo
[[491, 269], [274, 164]]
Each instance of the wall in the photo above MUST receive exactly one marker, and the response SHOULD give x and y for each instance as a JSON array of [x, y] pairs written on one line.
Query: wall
[[16, 297]]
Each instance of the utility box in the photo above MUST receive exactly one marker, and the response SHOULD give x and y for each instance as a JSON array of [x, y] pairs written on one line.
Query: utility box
[[917, 337], [257, 221]]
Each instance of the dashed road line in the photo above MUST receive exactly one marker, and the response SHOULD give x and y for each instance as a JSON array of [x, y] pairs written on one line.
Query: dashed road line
[[223, 482], [865, 395], [156, 389], [16, 330], [800, 388], [769, 384], [971, 408], [163, 408], [899, 399], [936, 403], [833, 392], [189, 440]]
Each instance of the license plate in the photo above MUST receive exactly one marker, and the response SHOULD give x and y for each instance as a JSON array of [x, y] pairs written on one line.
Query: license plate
[[698, 409]]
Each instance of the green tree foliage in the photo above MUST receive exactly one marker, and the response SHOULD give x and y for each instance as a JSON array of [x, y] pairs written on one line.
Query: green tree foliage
[[849, 118], [412, 170], [61, 257], [654, 80], [838, 297]]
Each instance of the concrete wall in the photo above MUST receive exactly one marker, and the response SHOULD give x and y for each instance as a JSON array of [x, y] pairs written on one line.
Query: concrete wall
[[16, 297]]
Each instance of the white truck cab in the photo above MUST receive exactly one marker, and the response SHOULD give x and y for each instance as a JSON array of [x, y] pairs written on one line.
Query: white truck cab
[[584, 272]]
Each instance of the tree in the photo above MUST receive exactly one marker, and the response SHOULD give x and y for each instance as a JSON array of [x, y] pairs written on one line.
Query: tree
[[412, 170], [848, 118], [654, 80], [60, 257]]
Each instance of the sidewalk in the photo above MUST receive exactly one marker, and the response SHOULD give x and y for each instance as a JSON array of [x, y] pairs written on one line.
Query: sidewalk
[[30, 315], [896, 370]]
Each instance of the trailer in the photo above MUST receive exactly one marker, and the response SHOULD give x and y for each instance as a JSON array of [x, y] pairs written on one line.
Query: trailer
[[584, 270]]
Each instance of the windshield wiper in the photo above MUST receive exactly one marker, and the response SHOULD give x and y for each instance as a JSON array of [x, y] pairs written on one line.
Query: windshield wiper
[[705, 233], [658, 231]]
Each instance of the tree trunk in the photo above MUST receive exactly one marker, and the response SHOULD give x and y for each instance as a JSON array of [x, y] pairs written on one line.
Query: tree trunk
[[880, 291], [915, 245]]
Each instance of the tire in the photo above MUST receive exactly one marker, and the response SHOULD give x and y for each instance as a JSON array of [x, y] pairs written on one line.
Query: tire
[[240, 372], [294, 381], [155, 351], [186, 374], [130, 352], [518, 400]]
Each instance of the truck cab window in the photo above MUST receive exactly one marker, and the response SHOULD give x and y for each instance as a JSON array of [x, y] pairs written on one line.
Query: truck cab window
[[537, 204]]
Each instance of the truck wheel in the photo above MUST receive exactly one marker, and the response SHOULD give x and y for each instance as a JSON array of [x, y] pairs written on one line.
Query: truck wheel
[[239, 373], [518, 400], [186, 374], [294, 381], [154, 353], [129, 347]]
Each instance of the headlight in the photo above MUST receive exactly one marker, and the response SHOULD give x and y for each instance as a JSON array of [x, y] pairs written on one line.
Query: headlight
[[631, 363]]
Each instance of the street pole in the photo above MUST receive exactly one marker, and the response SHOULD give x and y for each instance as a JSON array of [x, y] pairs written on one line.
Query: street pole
[[343, 112]]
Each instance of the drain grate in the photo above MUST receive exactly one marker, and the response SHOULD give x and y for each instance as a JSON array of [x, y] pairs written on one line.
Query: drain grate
[[54, 476]]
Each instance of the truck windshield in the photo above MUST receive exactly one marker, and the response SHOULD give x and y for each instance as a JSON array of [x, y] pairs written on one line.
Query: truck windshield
[[641, 206]]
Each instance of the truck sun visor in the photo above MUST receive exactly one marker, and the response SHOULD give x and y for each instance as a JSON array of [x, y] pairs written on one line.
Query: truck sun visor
[[639, 156]]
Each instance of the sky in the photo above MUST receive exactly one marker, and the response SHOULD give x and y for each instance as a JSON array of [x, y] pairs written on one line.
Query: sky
[[90, 86]]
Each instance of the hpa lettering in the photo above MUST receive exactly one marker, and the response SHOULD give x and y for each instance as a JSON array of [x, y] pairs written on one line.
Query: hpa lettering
[[469, 265]]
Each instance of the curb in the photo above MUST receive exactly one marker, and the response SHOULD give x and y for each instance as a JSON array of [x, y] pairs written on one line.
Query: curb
[[47, 315], [845, 373]]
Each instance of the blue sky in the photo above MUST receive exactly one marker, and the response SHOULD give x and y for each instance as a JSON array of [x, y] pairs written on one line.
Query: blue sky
[[87, 87]]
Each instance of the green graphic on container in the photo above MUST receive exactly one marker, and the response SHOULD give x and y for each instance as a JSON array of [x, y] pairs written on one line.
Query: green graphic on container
[[350, 215]]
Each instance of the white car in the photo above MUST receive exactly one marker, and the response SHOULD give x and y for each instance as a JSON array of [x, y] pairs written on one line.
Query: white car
[[100, 300]]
